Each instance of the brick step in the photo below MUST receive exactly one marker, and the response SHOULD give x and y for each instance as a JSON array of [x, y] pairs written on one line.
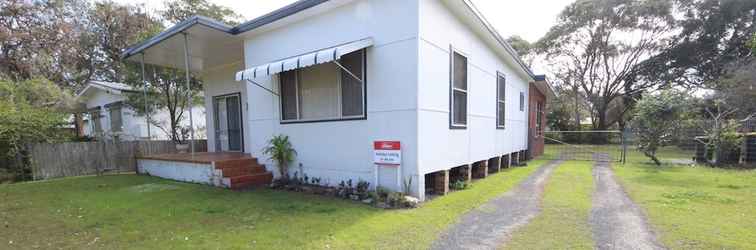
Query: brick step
[[244, 170], [244, 181]]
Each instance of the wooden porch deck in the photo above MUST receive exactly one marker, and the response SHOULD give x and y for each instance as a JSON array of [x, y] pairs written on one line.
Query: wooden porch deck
[[199, 157], [235, 170]]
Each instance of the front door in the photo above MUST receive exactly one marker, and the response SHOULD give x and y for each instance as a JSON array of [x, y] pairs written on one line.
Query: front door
[[228, 123]]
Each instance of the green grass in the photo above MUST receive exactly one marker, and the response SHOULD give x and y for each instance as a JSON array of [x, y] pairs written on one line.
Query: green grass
[[563, 222], [694, 207], [140, 212]]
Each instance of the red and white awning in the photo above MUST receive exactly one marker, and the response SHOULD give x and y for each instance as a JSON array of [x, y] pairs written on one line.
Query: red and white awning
[[301, 61]]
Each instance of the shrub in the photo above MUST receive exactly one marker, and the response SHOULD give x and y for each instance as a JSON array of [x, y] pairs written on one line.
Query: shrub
[[459, 185], [280, 150]]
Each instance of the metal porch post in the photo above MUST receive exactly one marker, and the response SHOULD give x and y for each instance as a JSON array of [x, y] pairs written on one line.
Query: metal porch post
[[188, 90], [146, 107]]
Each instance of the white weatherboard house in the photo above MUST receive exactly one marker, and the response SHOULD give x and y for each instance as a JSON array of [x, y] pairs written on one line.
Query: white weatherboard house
[[108, 117], [344, 77]]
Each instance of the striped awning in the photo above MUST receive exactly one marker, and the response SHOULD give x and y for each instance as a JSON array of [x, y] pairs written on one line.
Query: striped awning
[[305, 60]]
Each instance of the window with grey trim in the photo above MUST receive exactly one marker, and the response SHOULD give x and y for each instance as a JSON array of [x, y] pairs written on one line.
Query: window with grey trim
[[501, 93], [522, 101], [325, 91], [458, 90]]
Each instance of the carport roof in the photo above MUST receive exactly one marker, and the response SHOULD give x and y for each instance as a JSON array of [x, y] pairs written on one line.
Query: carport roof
[[221, 27]]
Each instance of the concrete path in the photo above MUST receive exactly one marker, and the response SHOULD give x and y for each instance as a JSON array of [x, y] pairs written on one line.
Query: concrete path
[[488, 226], [616, 222]]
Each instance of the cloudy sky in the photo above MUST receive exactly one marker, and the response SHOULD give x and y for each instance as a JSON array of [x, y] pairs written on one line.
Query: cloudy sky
[[529, 19]]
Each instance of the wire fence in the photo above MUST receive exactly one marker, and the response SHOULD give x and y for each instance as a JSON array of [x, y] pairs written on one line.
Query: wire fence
[[584, 145]]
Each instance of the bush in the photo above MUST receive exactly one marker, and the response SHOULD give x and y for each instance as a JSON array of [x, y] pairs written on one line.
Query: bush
[[459, 185], [280, 150], [31, 111]]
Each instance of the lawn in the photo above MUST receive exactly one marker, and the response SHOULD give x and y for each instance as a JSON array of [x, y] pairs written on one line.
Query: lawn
[[563, 222], [694, 207], [141, 212]]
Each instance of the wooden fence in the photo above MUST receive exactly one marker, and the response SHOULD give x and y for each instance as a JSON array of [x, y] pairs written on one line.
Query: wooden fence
[[89, 158]]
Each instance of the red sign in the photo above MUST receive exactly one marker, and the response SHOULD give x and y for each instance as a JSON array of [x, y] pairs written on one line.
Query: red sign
[[387, 145], [387, 153]]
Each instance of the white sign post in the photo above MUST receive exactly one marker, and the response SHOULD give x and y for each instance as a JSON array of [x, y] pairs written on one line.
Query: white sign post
[[388, 154]]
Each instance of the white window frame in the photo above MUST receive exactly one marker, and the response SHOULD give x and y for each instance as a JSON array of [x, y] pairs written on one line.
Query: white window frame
[[522, 101], [452, 89], [339, 96], [501, 99]]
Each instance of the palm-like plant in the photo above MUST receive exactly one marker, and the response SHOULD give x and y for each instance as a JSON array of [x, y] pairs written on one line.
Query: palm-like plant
[[279, 149]]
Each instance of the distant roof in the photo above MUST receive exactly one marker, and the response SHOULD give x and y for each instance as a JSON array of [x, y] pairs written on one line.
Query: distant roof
[[115, 87]]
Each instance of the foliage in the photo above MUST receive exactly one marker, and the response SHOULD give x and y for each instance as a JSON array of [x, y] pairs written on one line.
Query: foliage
[[47, 39], [596, 46], [180, 10], [29, 113], [459, 185], [166, 90], [407, 185], [524, 49], [720, 127], [657, 118], [280, 150], [717, 31]]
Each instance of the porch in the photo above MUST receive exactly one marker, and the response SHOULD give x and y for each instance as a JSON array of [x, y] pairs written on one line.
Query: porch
[[221, 169]]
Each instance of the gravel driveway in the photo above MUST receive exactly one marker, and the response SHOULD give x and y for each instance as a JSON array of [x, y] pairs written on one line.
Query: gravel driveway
[[488, 226], [616, 222]]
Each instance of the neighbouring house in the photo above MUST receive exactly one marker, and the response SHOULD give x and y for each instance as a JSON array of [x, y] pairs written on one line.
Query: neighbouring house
[[403, 94], [108, 117]]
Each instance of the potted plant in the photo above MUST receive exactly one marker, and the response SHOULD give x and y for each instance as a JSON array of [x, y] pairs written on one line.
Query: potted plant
[[279, 149], [182, 146]]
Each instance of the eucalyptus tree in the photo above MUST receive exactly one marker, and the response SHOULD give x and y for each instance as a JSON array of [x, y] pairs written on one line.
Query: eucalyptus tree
[[597, 45]]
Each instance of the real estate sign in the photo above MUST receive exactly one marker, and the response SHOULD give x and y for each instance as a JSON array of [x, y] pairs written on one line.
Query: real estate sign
[[387, 153]]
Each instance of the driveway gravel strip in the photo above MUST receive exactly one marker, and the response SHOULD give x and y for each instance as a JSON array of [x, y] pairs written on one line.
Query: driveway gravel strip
[[488, 226], [616, 221]]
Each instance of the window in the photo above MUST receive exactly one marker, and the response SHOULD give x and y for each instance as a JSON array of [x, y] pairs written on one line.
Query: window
[[522, 101], [539, 119], [325, 92], [116, 122], [458, 114], [501, 93], [94, 114]]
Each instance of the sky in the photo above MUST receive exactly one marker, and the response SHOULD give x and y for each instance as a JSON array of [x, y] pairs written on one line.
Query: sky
[[530, 19]]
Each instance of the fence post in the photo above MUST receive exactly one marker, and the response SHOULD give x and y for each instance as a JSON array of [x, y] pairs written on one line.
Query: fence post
[[625, 135]]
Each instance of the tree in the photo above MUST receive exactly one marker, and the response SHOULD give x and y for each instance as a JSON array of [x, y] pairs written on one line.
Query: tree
[[49, 39], [166, 90], [657, 117], [524, 49], [720, 127], [596, 47], [180, 10], [30, 112], [117, 27], [712, 41]]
